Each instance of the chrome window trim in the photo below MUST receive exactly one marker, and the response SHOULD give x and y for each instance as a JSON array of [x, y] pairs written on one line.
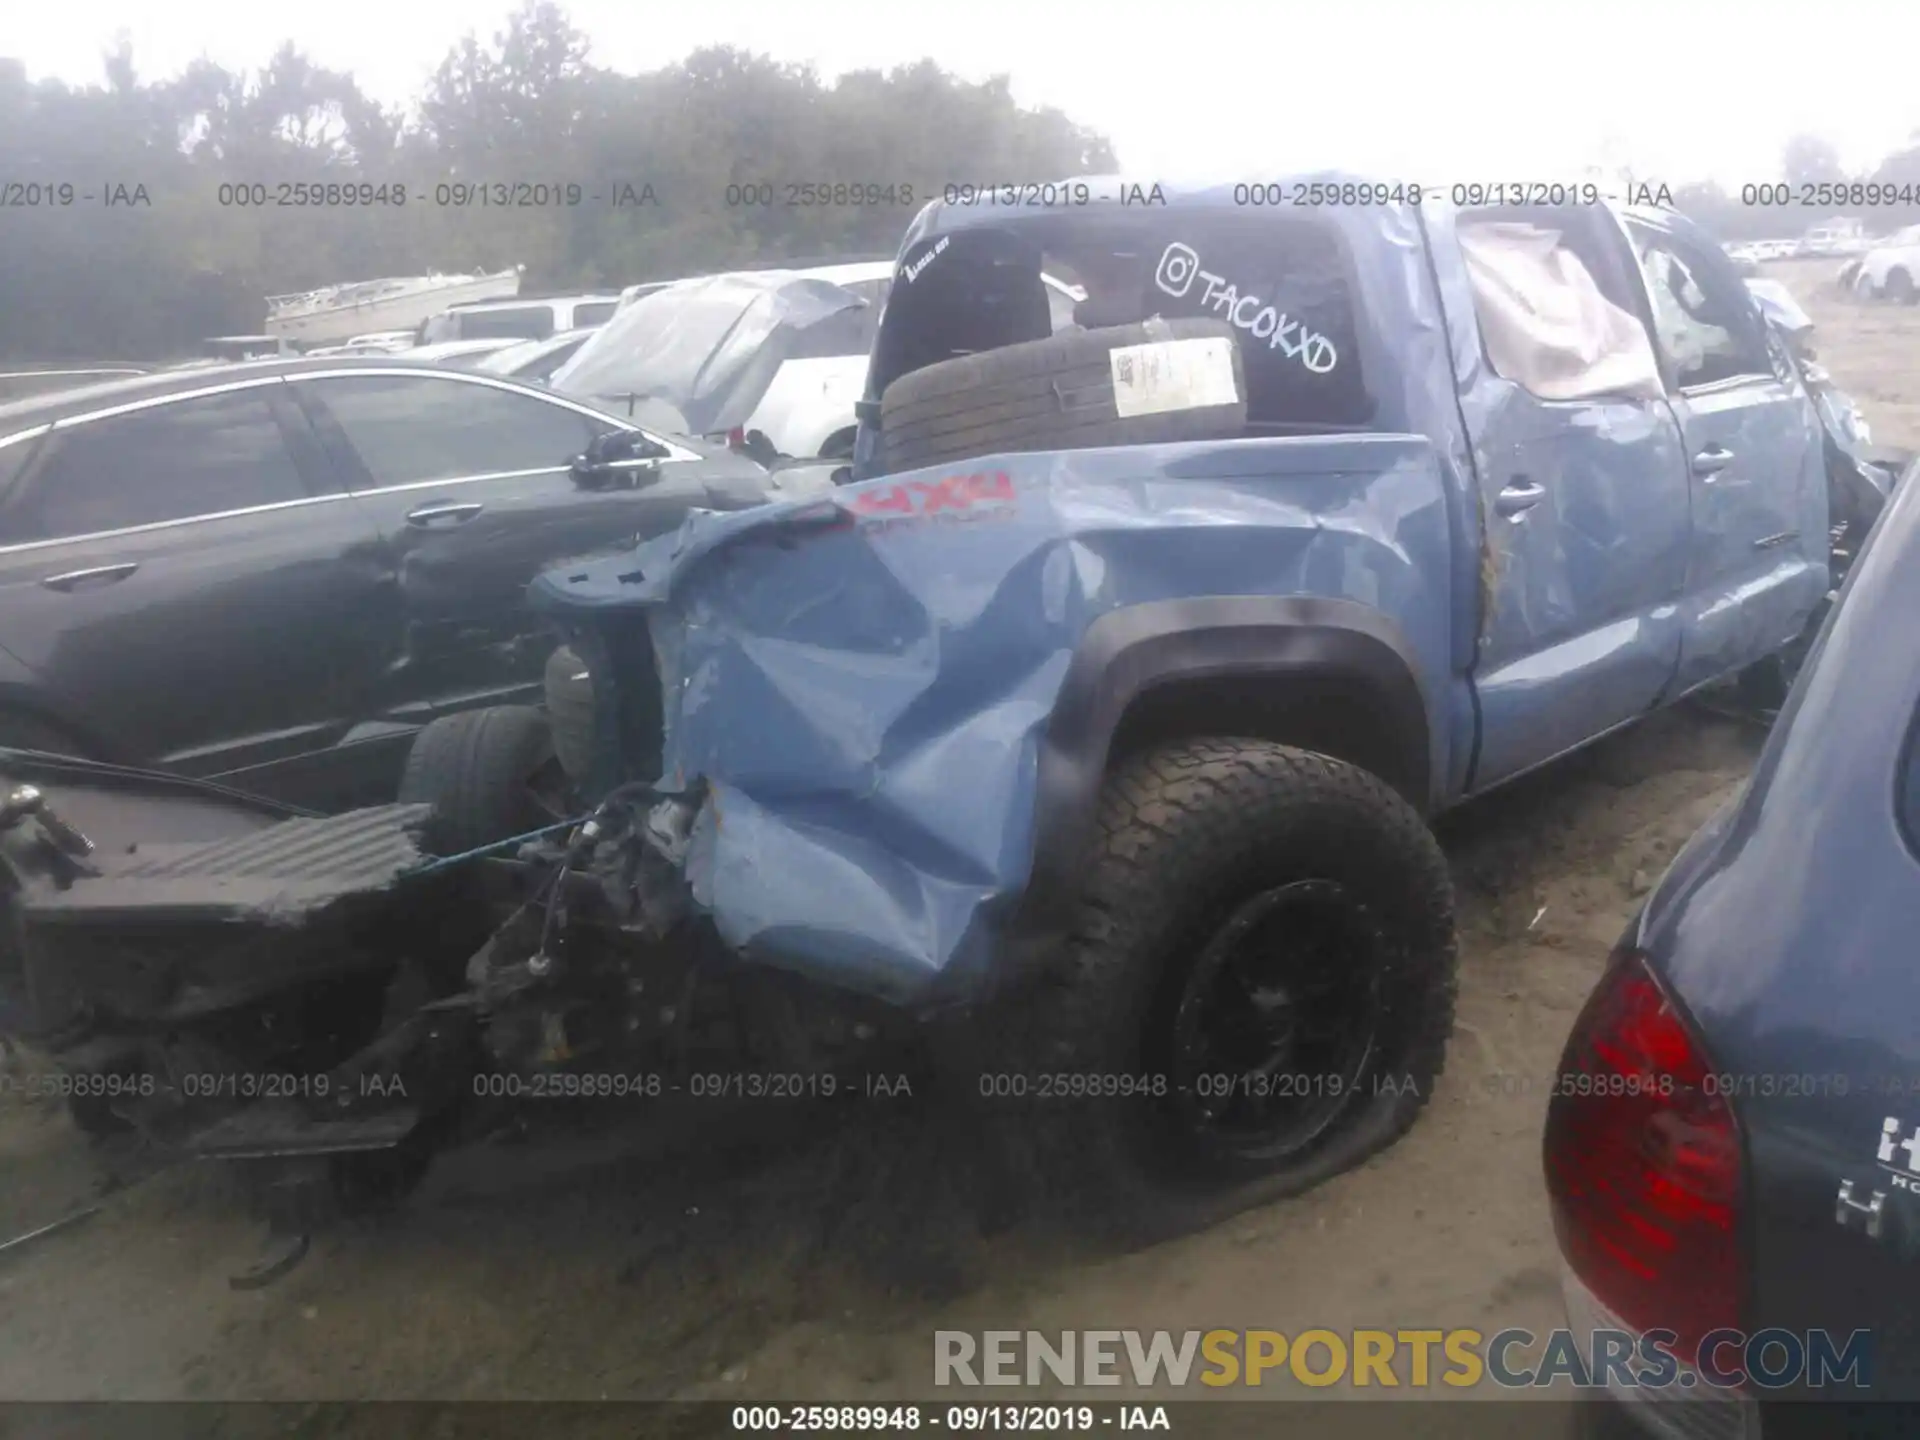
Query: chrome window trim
[[95, 370], [19, 435], [152, 402], [462, 480], [27, 545], [675, 453]]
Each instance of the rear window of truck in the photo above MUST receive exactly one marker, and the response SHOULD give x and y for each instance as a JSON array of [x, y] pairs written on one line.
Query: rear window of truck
[[1283, 285]]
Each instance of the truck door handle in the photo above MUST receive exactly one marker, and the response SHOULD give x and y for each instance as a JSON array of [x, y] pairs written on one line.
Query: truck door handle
[[1712, 460], [98, 575], [1519, 498], [459, 513]]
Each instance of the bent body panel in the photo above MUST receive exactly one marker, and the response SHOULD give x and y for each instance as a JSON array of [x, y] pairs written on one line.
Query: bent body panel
[[875, 690]]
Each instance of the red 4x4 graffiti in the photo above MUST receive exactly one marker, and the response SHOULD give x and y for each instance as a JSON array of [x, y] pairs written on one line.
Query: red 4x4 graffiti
[[932, 497]]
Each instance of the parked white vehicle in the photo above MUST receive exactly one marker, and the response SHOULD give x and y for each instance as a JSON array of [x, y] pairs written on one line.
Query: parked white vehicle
[[535, 360], [461, 354], [527, 319], [1891, 270], [339, 312], [645, 287], [1840, 236], [807, 409], [385, 342]]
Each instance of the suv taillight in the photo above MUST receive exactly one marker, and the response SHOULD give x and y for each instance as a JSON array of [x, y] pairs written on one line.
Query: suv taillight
[[1643, 1164]]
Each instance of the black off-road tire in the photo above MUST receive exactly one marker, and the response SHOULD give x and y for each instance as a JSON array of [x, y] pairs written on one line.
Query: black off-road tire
[[569, 695], [477, 769], [1899, 288], [1053, 394], [1186, 833]]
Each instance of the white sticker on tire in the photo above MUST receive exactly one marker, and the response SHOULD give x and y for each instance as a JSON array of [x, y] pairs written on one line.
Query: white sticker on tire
[[1173, 375]]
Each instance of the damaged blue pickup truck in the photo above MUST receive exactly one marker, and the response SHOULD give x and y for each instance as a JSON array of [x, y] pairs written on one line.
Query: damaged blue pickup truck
[[1083, 743]]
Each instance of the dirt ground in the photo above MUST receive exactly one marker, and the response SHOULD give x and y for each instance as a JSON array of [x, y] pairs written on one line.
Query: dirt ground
[[773, 1259]]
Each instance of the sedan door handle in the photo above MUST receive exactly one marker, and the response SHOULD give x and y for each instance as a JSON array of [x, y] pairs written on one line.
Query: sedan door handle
[[1712, 460], [1519, 498], [97, 576], [459, 513]]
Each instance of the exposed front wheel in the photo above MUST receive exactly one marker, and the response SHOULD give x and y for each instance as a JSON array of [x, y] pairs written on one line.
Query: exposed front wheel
[[570, 713], [1899, 288], [488, 774], [1258, 993]]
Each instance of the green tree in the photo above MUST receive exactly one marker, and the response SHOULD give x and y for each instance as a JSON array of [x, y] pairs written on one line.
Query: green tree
[[527, 105], [1808, 160]]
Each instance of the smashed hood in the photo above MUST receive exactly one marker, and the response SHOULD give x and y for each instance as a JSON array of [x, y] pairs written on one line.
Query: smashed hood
[[707, 349]]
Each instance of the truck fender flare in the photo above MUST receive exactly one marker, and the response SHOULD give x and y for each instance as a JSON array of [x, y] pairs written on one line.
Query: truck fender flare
[[1128, 652]]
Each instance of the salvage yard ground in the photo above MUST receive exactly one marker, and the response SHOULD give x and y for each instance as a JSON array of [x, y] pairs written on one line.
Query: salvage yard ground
[[757, 1258]]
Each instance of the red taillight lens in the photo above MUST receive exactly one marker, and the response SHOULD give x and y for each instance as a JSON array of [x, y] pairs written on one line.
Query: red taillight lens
[[737, 438], [1643, 1164]]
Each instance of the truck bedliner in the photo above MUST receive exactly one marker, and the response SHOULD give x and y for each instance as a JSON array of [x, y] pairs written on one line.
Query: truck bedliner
[[281, 873]]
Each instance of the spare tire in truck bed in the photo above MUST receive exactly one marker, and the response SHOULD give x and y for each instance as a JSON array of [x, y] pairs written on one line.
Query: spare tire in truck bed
[[1074, 391]]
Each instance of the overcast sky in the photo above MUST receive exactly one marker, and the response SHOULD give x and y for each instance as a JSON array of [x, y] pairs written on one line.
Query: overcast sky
[[1433, 92]]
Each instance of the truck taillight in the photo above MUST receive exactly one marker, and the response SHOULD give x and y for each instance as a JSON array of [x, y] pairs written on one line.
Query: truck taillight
[[737, 438], [1643, 1164]]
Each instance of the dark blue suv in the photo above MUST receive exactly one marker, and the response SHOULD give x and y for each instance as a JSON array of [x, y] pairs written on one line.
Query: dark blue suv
[[1733, 1147]]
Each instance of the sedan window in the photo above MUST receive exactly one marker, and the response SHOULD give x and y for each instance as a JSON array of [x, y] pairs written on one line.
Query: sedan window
[[173, 462], [416, 429]]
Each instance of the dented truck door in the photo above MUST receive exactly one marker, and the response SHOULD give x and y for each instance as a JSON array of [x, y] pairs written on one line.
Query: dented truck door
[[1584, 502], [1756, 460]]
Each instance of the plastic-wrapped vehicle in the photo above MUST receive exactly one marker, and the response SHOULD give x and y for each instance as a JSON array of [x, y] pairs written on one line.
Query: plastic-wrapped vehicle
[[1888, 271], [1086, 740], [781, 352]]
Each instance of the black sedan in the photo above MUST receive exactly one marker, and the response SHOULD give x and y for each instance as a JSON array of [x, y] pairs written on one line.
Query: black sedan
[[272, 574]]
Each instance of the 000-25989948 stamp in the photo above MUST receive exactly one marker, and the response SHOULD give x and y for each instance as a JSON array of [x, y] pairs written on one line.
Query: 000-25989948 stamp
[[815, 194]]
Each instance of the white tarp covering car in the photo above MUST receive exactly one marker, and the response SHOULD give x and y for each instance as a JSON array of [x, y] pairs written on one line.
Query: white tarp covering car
[[701, 356]]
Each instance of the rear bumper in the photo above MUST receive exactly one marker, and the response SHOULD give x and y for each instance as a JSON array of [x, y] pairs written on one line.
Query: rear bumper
[[1689, 1409]]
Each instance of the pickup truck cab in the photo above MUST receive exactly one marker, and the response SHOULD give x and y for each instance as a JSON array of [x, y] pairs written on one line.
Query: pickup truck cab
[[1593, 555], [1110, 698]]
